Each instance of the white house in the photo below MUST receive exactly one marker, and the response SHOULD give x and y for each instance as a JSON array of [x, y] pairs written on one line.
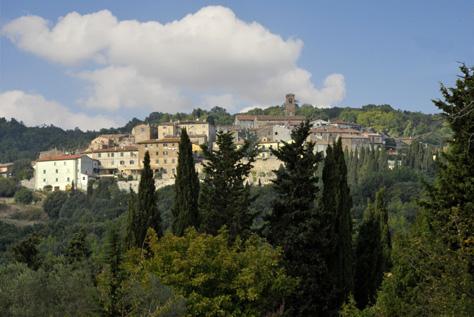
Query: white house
[[60, 171]]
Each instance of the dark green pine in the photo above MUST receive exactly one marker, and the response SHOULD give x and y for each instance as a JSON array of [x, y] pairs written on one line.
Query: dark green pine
[[185, 209], [224, 199], [293, 224]]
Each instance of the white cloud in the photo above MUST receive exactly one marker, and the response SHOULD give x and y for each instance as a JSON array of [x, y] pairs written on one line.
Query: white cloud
[[210, 50], [35, 110]]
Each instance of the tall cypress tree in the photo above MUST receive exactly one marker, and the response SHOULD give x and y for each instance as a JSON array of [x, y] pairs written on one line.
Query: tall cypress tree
[[224, 199], [335, 213], [145, 213], [373, 249], [113, 260], [293, 225], [185, 209]]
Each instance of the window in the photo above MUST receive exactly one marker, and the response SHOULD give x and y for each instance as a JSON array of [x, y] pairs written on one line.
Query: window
[[121, 154], [111, 154], [165, 152], [164, 161], [146, 146], [44, 171], [173, 170], [56, 171], [56, 180], [54, 163], [65, 163], [68, 179], [99, 155], [173, 161], [165, 144], [157, 161], [132, 162], [83, 178], [157, 153], [44, 180], [122, 162]]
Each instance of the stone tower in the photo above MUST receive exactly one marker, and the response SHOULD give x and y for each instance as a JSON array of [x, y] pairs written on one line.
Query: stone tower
[[290, 105]]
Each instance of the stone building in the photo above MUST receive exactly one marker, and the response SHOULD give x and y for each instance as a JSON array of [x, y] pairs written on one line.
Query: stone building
[[116, 161], [144, 131], [163, 155]]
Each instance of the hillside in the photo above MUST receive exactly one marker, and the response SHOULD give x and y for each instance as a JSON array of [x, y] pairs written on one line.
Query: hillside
[[20, 142]]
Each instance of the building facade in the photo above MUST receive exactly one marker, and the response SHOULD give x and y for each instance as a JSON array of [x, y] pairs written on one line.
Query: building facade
[[62, 171], [123, 161], [163, 155]]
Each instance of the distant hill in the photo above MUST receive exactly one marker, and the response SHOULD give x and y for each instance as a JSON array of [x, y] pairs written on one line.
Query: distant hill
[[19, 142]]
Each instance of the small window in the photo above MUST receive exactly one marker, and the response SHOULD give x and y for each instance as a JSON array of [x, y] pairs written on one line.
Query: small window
[[68, 179], [44, 180], [54, 163], [164, 161], [99, 155], [44, 171], [132, 162], [64, 163], [56, 171], [173, 161], [165, 144], [111, 154], [122, 162], [146, 146], [56, 180], [157, 153], [157, 161], [121, 154], [83, 178]]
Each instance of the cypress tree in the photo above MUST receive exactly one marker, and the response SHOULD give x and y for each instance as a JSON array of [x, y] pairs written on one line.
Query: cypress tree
[[293, 225], [185, 209], [113, 260], [336, 204], [373, 249], [224, 199], [143, 214]]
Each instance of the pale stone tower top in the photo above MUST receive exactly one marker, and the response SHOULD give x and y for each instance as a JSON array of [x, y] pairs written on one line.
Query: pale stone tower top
[[290, 105]]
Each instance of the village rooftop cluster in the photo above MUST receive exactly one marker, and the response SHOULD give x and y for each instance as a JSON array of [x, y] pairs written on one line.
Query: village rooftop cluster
[[121, 155]]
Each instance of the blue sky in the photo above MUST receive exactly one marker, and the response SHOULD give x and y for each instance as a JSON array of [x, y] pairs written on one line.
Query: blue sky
[[346, 53]]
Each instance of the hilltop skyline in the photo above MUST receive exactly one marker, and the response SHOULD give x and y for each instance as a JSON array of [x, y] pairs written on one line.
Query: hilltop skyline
[[104, 63]]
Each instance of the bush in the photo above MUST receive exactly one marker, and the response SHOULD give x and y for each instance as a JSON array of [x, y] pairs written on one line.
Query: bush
[[8, 187], [24, 196], [53, 204]]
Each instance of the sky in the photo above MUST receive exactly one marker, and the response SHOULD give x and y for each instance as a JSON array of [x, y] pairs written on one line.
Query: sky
[[95, 64]]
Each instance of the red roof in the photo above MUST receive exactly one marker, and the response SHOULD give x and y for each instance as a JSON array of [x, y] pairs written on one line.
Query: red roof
[[60, 157]]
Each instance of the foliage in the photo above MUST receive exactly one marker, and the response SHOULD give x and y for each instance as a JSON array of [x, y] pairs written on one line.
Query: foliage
[[143, 210], [8, 187], [22, 169], [62, 290], [373, 252], [215, 277], [26, 251], [224, 199], [24, 196], [335, 219], [185, 209], [292, 225]]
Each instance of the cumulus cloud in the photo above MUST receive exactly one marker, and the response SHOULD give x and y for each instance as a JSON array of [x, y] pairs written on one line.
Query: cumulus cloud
[[207, 51], [35, 110]]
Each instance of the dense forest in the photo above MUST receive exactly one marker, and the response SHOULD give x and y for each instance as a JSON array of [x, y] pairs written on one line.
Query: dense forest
[[338, 233]]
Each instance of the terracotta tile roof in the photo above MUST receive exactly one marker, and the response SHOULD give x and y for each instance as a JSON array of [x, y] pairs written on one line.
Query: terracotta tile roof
[[331, 129], [247, 117], [63, 157], [6, 164], [114, 149], [165, 140]]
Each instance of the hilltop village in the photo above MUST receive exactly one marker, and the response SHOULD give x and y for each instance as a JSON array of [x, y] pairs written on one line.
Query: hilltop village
[[121, 155]]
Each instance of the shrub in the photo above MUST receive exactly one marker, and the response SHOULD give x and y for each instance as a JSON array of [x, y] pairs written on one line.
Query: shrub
[[8, 187], [24, 196], [53, 204]]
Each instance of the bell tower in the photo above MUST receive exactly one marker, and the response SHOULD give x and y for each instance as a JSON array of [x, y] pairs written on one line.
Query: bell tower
[[290, 105]]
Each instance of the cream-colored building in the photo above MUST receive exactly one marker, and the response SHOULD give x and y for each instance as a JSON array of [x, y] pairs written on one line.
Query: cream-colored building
[[6, 169], [199, 129], [122, 161], [143, 132], [61, 171]]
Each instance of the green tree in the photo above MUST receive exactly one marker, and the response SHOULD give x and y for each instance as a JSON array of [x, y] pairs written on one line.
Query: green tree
[[335, 214], [185, 209], [224, 199], [145, 214], [53, 203], [26, 251], [78, 249], [24, 196], [292, 224], [373, 252], [216, 277]]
